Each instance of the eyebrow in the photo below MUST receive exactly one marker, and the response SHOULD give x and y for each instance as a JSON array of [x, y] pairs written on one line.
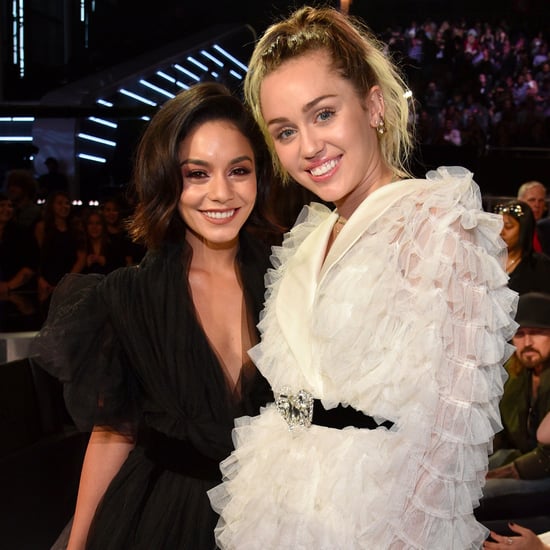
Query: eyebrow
[[305, 109], [236, 160]]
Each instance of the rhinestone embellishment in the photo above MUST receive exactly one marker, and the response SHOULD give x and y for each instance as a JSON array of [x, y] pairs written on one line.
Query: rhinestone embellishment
[[296, 409]]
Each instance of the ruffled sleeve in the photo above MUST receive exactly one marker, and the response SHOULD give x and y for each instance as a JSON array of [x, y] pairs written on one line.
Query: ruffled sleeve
[[78, 345], [451, 257]]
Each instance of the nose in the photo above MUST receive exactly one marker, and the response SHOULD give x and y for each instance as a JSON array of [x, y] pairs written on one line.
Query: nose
[[311, 143], [220, 189]]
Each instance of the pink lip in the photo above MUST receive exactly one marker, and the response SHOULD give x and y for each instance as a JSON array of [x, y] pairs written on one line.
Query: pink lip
[[220, 221], [326, 175]]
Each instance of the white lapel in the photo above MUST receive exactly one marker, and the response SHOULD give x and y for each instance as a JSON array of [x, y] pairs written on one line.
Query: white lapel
[[366, 213], [296, 295], [307, 268]]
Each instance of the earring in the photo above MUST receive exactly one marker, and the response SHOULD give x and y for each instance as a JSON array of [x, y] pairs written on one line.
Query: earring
[[381, 126]]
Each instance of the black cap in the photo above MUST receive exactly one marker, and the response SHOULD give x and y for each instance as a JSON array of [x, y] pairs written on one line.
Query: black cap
[[534, 310]]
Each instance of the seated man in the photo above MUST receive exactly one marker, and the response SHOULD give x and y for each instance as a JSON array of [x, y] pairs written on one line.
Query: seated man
[[520, 464]]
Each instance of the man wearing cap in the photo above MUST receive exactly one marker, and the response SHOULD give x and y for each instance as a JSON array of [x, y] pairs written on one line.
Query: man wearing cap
[[520, 463]]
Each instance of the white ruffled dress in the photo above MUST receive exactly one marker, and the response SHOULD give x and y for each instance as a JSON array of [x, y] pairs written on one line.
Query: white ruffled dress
[[407, 319]]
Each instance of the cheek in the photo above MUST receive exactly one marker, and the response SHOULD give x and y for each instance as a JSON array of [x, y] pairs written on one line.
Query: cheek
[[286, 155]]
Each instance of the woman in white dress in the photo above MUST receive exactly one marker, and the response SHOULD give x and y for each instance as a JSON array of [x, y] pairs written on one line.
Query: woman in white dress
[[389, 317]]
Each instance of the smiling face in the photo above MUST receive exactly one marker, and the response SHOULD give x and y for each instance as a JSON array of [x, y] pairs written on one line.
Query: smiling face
[[94, 226], [324, 133], [219, 183]]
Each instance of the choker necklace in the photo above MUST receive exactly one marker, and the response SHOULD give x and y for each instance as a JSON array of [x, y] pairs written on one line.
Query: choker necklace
[[340, 222]]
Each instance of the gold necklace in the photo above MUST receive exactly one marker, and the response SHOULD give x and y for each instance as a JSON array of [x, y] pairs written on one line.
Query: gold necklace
[[511, 264], [340, 222]]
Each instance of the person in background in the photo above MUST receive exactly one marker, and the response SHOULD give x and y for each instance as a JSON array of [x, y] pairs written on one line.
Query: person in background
[[519, 463], [154, 357], [526, 539], [61, 243], [386, 401], [534, 194], [100, 255], [529, 271], [53, 180], [21, 188], [18, 252], [112, 212]]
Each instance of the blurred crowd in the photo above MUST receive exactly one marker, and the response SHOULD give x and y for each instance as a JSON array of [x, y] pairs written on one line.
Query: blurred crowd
[[476, 84], [40, 243]]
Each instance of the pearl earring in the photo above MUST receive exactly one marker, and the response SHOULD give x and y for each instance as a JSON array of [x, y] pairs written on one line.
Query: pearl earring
[[381, 126]]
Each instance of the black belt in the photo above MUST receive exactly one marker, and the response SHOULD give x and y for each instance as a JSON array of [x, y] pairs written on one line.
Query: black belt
[[342, 417], [180, 456]]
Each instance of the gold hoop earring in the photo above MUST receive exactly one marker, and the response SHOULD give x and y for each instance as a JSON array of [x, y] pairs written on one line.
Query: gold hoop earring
[[381, 126]]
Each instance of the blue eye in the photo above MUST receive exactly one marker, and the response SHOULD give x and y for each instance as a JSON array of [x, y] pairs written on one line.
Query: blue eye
[[325, 115], [284, 134]]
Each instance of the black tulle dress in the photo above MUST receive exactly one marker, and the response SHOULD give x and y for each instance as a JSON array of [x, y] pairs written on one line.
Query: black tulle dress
[[133, 356]]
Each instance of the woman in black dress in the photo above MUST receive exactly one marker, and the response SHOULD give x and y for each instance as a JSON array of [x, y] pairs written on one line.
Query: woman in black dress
[[529, 271], [61, 242], [154, 357]]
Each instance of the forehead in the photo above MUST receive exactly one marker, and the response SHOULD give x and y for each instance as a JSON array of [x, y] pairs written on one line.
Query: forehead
[[301, 79], [536, 192], [510, 220], [214, 131]]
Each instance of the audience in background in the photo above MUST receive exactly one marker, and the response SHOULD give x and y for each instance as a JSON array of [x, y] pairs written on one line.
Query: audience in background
[[529, 271], [18, 253], [488, 82]]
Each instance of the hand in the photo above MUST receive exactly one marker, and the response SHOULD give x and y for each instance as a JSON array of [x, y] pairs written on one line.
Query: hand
[[44, 289], [527, 540], [506, 471]]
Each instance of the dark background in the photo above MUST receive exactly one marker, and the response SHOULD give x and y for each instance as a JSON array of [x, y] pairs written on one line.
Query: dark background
[[58, 53]]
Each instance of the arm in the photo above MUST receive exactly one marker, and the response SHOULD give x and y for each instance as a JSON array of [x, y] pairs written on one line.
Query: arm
[[107, 450], [457, 289], [543, 432], [19, 279], [80, 262], [39, 233]]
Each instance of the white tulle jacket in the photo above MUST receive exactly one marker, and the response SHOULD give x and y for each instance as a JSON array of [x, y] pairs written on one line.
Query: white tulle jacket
[[406, 319]]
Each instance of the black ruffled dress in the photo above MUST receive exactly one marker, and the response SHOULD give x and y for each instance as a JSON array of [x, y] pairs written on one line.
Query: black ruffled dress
[[132, 356]]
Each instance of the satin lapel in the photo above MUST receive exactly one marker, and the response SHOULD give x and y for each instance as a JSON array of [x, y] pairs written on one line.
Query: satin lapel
[[368, 211], [297, 293]]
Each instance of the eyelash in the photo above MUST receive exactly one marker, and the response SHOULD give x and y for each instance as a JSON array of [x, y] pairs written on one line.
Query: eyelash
[[326, 111], [200, 174], [286, 133]]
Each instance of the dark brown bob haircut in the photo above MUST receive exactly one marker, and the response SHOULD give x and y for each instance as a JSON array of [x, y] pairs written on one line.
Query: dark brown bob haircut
[[157, 175]]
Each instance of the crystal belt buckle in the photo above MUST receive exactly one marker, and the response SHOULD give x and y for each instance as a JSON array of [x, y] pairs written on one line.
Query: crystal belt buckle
[[296, 409]]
